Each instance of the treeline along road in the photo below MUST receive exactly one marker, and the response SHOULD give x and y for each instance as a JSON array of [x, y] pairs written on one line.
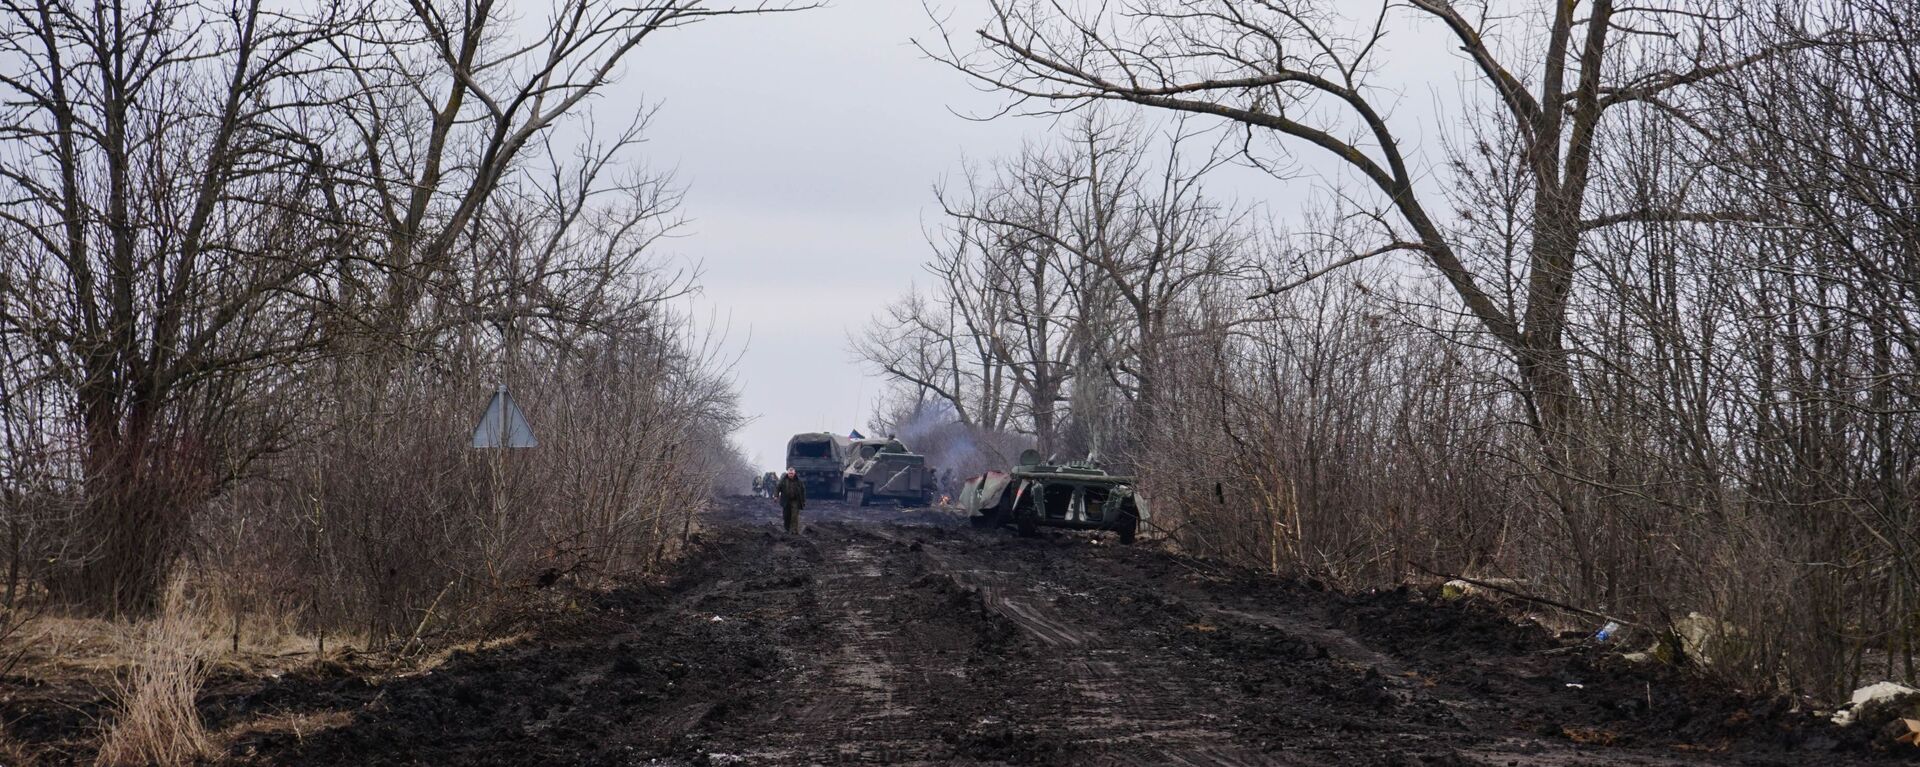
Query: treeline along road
[[907, 637]]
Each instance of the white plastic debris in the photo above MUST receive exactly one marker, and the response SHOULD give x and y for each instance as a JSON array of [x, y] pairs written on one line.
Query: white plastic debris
[[717, 619], [1869, 695], [1880, 691]]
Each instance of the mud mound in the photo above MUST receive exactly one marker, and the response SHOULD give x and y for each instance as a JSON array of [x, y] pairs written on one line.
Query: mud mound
[[628, 658]]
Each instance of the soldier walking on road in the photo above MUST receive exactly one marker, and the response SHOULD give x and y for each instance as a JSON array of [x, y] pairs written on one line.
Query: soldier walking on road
[[793, 497]]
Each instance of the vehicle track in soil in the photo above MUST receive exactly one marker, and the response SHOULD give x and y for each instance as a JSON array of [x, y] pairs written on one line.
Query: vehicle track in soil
[[905, 637]]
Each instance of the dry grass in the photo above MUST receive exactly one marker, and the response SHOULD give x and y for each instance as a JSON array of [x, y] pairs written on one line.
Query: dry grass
[[13, 753], [299, 725], [59, 649], [155, 721], [153, 671], [441, 654], [56, 649]]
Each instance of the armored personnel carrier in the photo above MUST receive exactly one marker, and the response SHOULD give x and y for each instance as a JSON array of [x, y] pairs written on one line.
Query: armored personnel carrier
[[1077, 495], [883, 469], [819, 459]]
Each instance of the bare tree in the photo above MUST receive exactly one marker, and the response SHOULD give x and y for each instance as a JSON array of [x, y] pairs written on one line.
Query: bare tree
[[156, 256], [1069, 266], [203, 202], [445, 100], [1302, 71]]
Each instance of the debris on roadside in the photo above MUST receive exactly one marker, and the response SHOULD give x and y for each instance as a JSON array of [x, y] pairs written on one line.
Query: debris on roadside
[[1903, 731], [1875, 697], [1483, 588], [1592, 736], [1700, 638]]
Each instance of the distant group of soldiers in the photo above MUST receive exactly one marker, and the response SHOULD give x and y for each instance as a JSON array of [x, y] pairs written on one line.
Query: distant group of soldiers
[[765, 484]]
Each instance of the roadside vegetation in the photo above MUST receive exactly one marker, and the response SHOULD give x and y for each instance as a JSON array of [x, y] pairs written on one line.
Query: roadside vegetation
[[263, 265], [1628, 325]]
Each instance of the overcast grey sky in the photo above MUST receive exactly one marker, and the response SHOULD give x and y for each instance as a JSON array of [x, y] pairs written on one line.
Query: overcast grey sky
[[810, 144]]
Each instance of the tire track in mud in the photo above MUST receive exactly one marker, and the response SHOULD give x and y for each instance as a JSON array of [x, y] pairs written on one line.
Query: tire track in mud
[[1122, 703], [1356, 691], [888, 677], [861, 702], [1161, 679]]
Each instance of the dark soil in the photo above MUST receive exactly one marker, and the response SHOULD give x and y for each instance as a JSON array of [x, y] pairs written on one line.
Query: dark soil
[[885, 636]]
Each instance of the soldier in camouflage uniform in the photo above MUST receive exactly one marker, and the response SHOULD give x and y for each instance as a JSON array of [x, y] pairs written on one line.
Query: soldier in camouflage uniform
[[793, 497]]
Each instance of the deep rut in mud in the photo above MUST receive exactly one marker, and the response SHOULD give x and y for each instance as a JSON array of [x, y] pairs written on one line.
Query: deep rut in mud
[[906, 637]]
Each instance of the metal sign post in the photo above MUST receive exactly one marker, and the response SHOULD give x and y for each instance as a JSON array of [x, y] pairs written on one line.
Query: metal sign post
[[503, 425], [502, 428]]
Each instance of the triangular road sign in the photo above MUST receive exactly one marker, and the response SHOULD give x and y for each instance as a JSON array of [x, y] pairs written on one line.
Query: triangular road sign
[[503, 425]]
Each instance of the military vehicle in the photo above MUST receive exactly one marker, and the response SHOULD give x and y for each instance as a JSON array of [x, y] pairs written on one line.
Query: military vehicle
[[1077, 495], [819, 459], [883, 469]]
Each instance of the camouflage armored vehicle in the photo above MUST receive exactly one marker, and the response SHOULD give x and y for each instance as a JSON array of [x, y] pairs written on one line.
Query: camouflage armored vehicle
[[883, 469], [819, 459], [1076, 495]]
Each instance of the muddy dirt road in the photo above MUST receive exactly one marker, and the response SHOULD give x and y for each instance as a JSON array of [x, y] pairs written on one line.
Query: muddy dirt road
[[904, 637]]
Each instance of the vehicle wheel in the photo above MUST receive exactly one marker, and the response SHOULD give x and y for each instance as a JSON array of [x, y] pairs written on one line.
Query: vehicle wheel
[[856, 497], [1129, 527], [983, 521], [1024, 521]]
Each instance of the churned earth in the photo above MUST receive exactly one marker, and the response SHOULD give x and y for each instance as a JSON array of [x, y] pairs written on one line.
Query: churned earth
[[906, 637]]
